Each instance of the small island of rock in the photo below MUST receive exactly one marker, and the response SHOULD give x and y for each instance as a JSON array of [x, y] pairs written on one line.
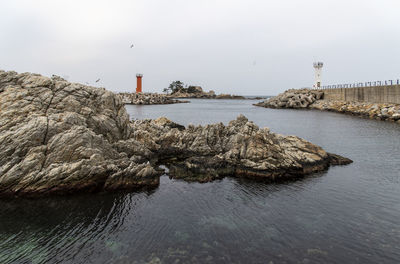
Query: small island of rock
[[177, 90]]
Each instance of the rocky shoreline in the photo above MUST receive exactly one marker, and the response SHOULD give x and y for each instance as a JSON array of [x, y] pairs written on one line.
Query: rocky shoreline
[[387, 112], [58, 137], [313, 99], [210, 95], [196, 92], [148, 99], [157, 99]]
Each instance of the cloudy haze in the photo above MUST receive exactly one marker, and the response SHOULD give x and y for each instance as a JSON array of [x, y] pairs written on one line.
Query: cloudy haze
[[243, 47]]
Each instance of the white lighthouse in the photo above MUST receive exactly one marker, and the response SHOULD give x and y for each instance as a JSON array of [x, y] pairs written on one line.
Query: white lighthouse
[[318, 69]]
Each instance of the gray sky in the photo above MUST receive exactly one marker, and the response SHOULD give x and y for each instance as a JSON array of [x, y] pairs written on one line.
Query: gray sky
[[230, 46]]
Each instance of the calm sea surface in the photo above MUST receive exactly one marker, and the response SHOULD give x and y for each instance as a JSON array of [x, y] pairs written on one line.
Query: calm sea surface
[[349, 214]]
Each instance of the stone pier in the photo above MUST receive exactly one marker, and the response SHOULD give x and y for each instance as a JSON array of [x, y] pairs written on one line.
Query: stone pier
[[372, 94]]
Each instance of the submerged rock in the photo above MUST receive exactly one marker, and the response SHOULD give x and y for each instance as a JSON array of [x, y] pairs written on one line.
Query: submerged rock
[[61, 137]]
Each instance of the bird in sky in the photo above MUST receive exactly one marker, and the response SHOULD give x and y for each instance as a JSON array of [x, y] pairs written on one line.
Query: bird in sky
[[97, 80], [132, 46]]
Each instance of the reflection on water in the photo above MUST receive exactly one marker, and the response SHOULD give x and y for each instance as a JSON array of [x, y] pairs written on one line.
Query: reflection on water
[[348, 214], [57, 228]]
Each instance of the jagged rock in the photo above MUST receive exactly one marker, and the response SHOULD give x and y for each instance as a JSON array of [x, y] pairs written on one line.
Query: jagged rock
[[204, 153], [338, 160], [61, 137], [148, 99]]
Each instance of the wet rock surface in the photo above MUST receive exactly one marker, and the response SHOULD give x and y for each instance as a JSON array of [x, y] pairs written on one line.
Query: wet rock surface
[[61, 137], [148, 99], [313, 99]]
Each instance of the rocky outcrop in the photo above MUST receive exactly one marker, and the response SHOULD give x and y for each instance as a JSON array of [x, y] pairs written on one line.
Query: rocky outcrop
[[61, 137], [148, 99], [293, 99], [313, 99], [204, 153]]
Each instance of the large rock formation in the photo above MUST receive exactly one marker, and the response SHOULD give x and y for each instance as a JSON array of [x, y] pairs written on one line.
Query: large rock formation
[[148, 99], [57, 136], [61, 137], [203, 153]]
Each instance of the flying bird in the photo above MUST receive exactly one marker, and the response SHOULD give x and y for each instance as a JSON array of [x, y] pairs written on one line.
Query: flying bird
[[97, 80]]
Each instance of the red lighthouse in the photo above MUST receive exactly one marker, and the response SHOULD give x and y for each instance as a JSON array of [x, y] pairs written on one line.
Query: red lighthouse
[[139, 83]]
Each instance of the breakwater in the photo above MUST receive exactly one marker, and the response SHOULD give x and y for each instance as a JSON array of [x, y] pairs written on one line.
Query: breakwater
[[370, 94], [148, 99], [362, 102]]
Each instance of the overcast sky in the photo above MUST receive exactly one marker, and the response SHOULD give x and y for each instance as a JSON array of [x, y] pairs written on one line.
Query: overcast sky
[[251, 47]]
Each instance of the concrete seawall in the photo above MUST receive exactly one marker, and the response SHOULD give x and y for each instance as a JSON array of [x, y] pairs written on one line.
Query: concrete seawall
[[373, 94]]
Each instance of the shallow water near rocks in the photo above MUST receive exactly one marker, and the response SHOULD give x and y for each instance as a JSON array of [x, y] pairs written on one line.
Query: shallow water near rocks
[[349, 214]]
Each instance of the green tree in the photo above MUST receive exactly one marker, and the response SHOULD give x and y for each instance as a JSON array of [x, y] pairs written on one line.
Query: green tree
[[176, 86]]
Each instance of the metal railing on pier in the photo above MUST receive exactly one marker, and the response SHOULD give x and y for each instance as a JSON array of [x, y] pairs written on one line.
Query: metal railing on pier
[[360, 84]]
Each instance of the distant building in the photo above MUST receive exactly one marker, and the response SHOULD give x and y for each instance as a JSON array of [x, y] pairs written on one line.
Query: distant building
[[139, 82], [318, 69]]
